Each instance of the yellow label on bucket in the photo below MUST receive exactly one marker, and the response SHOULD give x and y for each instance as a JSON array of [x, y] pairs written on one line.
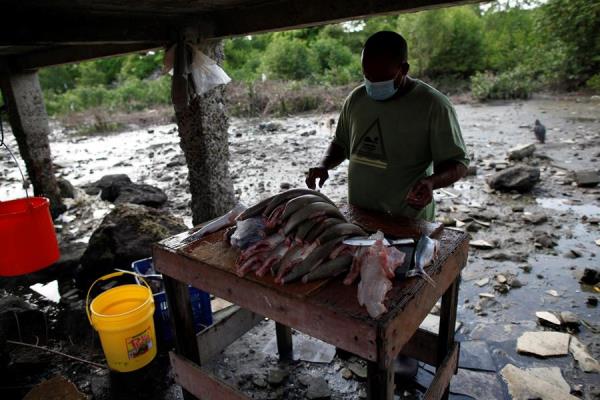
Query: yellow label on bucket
[[139, 344]]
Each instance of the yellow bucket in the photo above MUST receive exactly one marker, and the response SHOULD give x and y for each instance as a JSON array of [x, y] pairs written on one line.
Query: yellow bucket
[[122, 316]]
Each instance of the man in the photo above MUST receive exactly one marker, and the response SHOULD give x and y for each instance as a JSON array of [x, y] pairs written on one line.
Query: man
[[401, 136]]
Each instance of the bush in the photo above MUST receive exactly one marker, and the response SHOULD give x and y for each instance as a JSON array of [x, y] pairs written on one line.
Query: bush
[[289, 59], [514, 84], [594, 83]]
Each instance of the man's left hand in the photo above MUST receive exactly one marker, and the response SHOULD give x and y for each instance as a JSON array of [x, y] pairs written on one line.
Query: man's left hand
[[420, 194]]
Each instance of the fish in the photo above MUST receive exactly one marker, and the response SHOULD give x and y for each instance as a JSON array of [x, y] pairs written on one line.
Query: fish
[[304, 229], [337, 230], [377, 265], [312, 210], [314, 233], [274, 257], [290, 194], [248, 232], [228, 219], [297, 203], [312, 260], [255, 210], [425, 253], [330, 268]]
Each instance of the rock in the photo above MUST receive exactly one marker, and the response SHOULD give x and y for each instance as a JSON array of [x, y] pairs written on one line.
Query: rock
[[482, 282], [318, 389], [346, 373], [21, 321], [276, 376], [501, 278], [472, 170], [487, 296], [520, 152], [536, 383], [67, 191], [569, 319], [481, 244], [592, 301], [552, 293], [285, 185], [573, 253], [270, 126], [125, 235], [177, 161], [309, 133], [548, 318], [514, 282], [503, 256], [534, 218], [358, 369], [584, 359], [590, 276], [259, 382], [134, 193], [105, 182], [521, 178], [56, 388], [588, 178], [543, 344], [543, 239]]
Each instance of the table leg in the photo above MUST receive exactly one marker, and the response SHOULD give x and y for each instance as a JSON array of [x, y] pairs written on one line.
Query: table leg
[[380, 382], [285, 346], [447, 325], [182, 322]]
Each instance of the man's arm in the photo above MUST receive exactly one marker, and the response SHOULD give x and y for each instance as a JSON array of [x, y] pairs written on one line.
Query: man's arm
[[333, 157], [446, 173]]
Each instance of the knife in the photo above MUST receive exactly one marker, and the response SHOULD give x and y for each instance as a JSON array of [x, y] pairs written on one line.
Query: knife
[[365, 241]]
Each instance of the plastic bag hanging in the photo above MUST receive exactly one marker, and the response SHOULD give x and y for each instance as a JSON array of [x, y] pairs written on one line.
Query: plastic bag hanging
[[206, 74]]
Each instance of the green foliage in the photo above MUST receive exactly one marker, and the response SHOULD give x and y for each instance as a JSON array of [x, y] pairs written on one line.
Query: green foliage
[[289, 59], [594, 83], [141, 66], [513, 84], [575, 24]]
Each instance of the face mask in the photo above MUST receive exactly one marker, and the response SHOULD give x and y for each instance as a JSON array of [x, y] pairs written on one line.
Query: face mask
[[381, 90]]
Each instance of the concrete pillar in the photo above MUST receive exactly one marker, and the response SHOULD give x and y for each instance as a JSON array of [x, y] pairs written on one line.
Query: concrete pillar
[[204, 140], [29, 122]]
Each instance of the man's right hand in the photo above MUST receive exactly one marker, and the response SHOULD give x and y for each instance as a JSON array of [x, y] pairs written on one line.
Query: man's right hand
[[314, 174]]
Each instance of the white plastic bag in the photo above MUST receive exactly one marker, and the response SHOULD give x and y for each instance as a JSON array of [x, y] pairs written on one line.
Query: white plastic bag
[[206, 73]]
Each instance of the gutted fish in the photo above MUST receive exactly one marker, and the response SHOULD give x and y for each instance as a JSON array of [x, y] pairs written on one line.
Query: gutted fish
[[248, 232], [217, 224]]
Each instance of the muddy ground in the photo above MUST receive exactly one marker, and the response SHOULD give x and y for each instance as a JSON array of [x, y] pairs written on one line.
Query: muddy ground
[[270, 154]]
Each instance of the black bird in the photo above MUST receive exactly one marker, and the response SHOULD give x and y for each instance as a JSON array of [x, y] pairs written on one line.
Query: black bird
[[540, 131]]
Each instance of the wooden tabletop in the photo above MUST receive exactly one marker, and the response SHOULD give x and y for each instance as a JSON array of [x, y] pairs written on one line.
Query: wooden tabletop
[[327, 310]]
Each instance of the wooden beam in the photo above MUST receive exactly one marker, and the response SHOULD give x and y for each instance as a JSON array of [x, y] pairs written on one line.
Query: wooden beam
[[201, 383], [423, 347], [65, 54], [441, 382], [293, 14], [228, 326], [285, 344]]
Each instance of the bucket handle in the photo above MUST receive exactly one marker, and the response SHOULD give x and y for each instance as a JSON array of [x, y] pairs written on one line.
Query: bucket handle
[[105, 278]]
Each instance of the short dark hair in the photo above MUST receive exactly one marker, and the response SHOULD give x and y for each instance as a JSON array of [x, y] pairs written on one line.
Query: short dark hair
[[386, 43]]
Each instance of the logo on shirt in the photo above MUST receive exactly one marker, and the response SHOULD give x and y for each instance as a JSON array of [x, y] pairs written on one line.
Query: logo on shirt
[[370, 149]]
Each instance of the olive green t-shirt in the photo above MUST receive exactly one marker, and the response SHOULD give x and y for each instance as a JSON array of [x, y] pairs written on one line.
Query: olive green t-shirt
[[392, 144]]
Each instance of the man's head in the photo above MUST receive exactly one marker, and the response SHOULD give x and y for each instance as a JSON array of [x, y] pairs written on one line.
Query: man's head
[[384, 58]]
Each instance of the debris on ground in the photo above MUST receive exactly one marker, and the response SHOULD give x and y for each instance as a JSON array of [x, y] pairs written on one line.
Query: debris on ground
[[481, 244], [520, 152], [56, 388], [536, 383], [521, 178], [583, 357], [544, 344]]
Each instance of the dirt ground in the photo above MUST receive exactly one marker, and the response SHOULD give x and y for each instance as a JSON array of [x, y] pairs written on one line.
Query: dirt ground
[[270, 155]]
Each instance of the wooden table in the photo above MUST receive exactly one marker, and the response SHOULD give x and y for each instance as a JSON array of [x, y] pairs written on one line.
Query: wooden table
[[327, 310]]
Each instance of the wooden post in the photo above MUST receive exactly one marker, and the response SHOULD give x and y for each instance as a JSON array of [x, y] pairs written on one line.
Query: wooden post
[[204, 140], [380, 382], [447, 325], [285, 345], [182, 322], [29, 122]]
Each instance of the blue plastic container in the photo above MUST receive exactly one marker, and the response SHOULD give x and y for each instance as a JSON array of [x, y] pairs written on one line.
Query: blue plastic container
[[200, 301]]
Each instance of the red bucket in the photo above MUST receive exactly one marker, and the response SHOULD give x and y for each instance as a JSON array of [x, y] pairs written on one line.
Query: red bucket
[[27, 238]]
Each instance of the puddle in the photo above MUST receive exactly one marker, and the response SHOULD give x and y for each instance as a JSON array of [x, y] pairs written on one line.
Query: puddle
[[564, 205]]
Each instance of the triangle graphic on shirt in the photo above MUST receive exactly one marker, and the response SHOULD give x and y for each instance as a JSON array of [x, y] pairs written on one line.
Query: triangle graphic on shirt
[[370, 148]]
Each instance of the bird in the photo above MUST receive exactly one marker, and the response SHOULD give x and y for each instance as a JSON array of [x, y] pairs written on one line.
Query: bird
[[540, 131]]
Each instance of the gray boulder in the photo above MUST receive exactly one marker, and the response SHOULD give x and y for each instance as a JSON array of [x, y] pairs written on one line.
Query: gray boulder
[[521, 178], [125, 235], [67, 191], [105, 182], [135, 193]]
